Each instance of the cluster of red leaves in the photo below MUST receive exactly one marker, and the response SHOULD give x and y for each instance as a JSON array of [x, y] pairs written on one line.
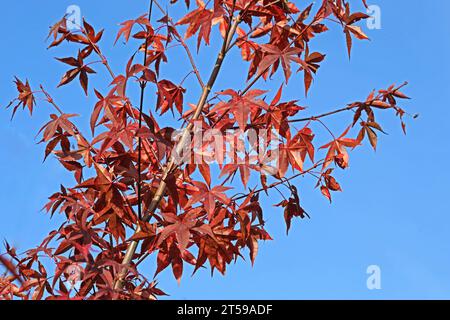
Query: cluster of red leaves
[[120, 170]]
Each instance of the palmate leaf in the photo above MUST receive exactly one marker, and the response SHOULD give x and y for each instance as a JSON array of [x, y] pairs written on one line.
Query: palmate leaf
[[274, 56], [25, 98], [240, 106], [81, 70]]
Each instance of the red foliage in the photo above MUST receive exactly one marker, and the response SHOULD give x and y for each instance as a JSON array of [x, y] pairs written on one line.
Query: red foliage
[[132, 198]]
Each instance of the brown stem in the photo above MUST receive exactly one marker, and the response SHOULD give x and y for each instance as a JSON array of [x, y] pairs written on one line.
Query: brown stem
[[274, 185], [189, 54], [311, 118], [104, 60], [184, 138], [350, 107], [51, 101], [99, 53], [183, 44]]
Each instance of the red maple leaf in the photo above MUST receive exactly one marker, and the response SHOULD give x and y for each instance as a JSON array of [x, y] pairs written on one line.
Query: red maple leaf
[[241, 106], [337, 150], [80, 69], [274, 55], [208, 196]]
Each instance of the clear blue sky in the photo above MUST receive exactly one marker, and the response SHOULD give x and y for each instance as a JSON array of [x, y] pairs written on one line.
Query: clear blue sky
[[394, 212]]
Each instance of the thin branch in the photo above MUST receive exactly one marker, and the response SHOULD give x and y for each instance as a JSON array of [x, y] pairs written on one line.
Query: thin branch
[[183, 44], [50, 100], [99, 53], [326, 128], [323, 115], [311, 118], [276, 184]]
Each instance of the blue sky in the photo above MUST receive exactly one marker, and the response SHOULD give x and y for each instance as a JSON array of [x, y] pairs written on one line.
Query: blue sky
[[393, 212]]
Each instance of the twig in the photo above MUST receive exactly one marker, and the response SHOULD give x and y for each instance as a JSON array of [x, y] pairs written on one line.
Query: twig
[[99, 53], [323, 115], [274, 185], [50, 100], [183, 44]]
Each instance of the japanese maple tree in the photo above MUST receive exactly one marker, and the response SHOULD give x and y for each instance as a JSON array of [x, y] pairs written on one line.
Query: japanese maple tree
[[144, 188]]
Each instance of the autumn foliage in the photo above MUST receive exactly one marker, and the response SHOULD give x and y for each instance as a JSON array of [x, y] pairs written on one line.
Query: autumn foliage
[[134, 195]]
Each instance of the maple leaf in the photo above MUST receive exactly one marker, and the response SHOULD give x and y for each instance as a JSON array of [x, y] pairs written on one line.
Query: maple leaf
[[295, 150], [305, 137], [277, 114], [256, 234], [247, 46], [183, 226], [58, 138], [104, 102], [243, 165], [199, 20], [91, 34], [208, 196], [310, 66], [80, 69], [128, 25], [273, 55], [106, 183], [169, 254], [120, 81], [116, 132], [325, 10], [59, 27], [292, 153], [25, 98], [337, 150], [9, 266], [350, 29], [292, 208], [330, 184], [369, 129], [57, 123], [251, 205], [169, 95], [390, 96], [326, 192], [85, 150], [240, 106], [54, 29], [221, 252]]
